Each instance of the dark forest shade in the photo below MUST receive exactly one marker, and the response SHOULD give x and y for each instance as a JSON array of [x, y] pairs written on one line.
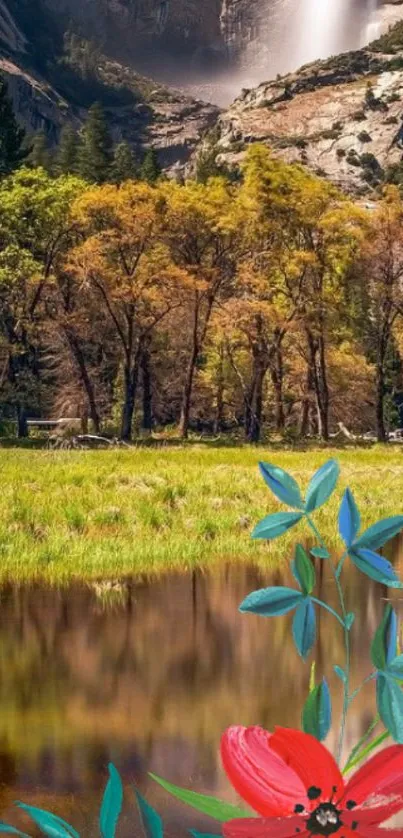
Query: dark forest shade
[[11, 135]]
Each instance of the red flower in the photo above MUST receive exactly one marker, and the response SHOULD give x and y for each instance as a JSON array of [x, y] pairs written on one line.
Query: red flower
[[293, 781]]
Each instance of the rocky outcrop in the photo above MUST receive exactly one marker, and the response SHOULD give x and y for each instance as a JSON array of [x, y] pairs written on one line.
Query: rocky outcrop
[[341, 117]]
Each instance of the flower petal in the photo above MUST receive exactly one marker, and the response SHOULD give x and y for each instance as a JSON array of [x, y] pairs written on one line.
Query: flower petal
[[310, 760], [376, 832], [259, 774], [262, 828], [378, 784]]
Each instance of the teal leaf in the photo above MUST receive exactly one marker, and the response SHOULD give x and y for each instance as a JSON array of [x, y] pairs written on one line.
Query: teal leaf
[[217, 809], [317, 712], [283, 486], [385, 638], [349, 619], [304, 627], [322, 485], [150, 819], [320, 553], [374, 566], [203, 834], [389, 697], [49, 824], [340, 673], [111, 806], [303, 570], [271, 602], [11, 830], [377, 535], [395, 668], [276, 524], [349, 518]]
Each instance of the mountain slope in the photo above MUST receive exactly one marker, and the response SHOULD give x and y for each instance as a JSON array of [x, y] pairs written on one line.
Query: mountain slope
[[341, 117]]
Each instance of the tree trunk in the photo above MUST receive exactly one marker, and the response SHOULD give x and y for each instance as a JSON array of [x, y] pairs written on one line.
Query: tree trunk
[[219, 394], [380, 397], [255, 425], [277, 378], [130, 389], [22, 425], [79, 358], [317, 362], [147, 422]]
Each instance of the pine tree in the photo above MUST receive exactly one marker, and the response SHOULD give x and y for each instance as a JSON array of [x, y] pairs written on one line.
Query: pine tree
[[11, 136], [150, 169], [124, 165], [40, 154], [95, 155], [67, 153]]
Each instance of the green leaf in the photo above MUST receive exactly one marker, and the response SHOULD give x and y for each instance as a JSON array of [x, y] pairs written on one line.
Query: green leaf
[[283, 486], [11, 830], [349, 619], [389, 698], [111, 806], [271, 602], [340, 674], [203, 834], [150, 819], [322, 485], [312, 676], [377, 535], [49, 824], [276, 524], [317, 712], [217, 809], [379, 642], [349, 518], [303, 570], [304, 627], [320, 553]]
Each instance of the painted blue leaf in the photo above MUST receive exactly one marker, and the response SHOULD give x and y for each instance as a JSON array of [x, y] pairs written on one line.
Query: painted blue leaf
[[320, 553], [276, 524], [389, 697], [49, 824], [374, 566], [317, 712], [11, 830], [377, 535], [111, 806], [271, 602], [340, 673], [349, 518], [322, 485], [349, 619], [304, 627], [283, 486], [395, 667], [150, 819]]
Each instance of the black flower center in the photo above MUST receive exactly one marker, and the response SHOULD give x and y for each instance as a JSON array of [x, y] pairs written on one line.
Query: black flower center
[[325, 820]]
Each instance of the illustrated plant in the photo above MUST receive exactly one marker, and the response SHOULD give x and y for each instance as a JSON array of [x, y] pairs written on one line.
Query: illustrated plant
[[289, 778]]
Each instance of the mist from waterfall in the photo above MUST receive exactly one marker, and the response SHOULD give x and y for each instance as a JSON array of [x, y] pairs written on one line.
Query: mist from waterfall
[[325, 28]]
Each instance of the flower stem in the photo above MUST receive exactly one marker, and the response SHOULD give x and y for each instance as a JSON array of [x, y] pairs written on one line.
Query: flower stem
[[346, 633], [328, 608], [364, 753], [365, 681], [351, 760]]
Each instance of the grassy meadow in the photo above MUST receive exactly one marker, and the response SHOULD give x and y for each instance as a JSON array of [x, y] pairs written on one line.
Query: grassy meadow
[[105, 514]]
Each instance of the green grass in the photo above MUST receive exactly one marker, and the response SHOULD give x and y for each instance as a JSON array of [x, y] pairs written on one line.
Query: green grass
[[106, 514]]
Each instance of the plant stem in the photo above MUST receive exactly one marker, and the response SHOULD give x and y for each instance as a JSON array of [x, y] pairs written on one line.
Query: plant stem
[[346, 683], [364, 753], [365, 681], [350, 762], [328, 608]]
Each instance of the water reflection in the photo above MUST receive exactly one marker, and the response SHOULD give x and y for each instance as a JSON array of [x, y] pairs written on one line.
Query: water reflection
[[149, 680]]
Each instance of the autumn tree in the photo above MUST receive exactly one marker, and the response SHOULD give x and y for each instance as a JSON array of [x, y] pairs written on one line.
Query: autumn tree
[[129, 271], [382, 272], [200, 230]]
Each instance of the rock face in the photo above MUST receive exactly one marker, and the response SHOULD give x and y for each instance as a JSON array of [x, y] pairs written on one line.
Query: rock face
[[341, 117]]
